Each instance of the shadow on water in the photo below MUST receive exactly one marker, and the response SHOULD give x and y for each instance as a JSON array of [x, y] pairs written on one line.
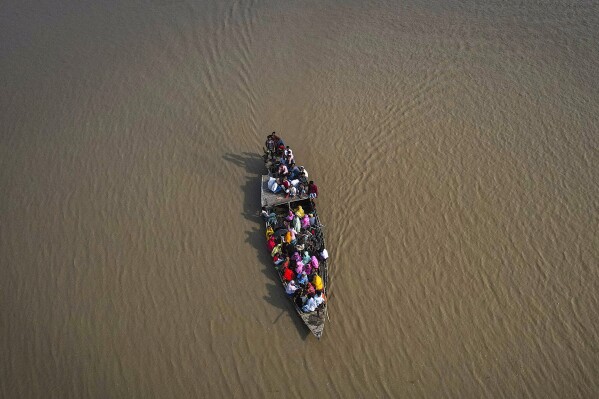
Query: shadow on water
[[253, 164]]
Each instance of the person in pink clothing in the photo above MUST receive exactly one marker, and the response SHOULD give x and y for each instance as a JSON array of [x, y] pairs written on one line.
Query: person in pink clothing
[[299, 268], [306, 222], [314, 262]]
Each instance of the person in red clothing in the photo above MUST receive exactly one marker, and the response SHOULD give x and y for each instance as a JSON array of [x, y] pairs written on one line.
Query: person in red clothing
[[312, 190], [270, 244], [288, 274]]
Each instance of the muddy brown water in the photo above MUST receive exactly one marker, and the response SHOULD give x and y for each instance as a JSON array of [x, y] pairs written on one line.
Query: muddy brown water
[[455, 145]]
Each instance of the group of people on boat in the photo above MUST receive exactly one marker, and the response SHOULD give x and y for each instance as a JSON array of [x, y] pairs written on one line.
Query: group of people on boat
[[294, 240], [286, 176]]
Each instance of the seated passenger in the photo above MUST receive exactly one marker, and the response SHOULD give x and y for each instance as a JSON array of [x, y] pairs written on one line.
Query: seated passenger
[[303, 172], [308, 268], [283, 171], [299, 211], [270, 244], [317, 282], [306, 258], [288, 237], [299, 268], [268, 217], [302, 279], [269, 232], [274, 186], [297, 225], [319, 298], [288, 151], [312, 190], [291, 233], [288, 274], [294, 171], [310, 305], [314, 262], [291, 288], [290, 216], [296, 257], [310, 289], [306, 222], [275, 250], [292, 192], [312, 219], [278, 259], [302, 190]]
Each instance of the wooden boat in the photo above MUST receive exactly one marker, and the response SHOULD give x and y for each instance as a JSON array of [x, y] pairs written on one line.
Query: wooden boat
[[312, 240]]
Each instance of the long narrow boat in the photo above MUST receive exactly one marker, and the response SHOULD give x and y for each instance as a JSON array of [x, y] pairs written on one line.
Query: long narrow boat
[[311, 239]]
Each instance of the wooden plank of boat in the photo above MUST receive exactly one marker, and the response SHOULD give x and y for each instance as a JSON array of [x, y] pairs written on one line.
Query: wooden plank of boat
[[268, 198]]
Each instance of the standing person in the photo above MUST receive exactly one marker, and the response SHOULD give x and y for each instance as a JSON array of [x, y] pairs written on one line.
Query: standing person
[[280, 144], [312, 190], [270, 143], [303, 172], [288, 154]]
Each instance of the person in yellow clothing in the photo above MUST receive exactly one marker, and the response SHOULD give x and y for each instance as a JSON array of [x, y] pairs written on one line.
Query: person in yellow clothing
[[317, 282], [299, 212], [269, 232]]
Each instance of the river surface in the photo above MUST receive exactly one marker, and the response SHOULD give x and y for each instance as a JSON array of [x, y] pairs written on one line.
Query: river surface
[[456, 149]]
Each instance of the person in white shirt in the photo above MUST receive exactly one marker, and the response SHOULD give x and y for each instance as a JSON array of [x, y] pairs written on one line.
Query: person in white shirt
[[303, 172], [291, 288], [318, 298], [274, 186], [310, 305]]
